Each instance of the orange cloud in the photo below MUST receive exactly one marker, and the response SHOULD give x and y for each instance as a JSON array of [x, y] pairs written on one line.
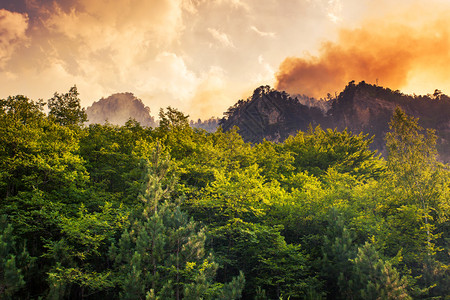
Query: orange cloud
[[393, 51], [13, 28]]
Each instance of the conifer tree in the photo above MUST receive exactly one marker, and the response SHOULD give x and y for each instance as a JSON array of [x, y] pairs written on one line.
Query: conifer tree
[[162, 255], [337, 250], [13, 262], [374, 278]]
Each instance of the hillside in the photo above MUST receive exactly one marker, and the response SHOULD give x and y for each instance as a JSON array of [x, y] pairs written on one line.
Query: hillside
[[270, 115], [274, 115]]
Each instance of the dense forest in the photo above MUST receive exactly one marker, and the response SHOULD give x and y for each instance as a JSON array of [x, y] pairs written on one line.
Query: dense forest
[[175, 212]]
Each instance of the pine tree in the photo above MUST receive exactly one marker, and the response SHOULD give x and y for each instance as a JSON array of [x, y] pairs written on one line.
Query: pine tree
[[13, 262], [161, 255], [374, 278], [338, 249]]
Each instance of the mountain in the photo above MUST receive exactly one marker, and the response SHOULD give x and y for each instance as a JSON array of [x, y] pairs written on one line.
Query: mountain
[[274, 115], [270, 115], [118, 109], [210, 125]]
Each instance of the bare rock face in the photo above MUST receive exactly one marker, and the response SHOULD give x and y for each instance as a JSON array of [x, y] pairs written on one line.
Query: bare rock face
[[273, 115], [118, 108]]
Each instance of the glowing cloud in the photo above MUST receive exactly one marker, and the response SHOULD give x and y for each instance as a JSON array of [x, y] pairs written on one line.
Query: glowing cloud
[[13, 28], [390, 52], [221, 37], [201, 56], [262, 33]]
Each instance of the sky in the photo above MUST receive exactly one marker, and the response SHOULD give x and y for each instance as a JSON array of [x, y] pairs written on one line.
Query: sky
[[201, 56]]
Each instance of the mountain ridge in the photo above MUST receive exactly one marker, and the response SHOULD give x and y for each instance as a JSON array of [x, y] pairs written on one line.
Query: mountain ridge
[[274, 115]]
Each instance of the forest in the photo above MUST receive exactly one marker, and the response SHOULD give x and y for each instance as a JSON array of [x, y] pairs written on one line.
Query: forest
[[175, 212]]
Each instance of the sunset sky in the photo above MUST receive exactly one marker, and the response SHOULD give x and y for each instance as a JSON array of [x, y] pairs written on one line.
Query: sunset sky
[[201, 56]]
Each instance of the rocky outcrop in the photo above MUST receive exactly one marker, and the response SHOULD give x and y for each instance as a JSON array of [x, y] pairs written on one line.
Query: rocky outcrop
[[270, 115]]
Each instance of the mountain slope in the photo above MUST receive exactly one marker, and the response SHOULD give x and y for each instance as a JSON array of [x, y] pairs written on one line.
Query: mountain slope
[[273, 115]]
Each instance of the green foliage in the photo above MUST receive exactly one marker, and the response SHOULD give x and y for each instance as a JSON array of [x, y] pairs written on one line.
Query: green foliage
[[374, 278], [412, 161], [337, 250], [161, 254], [42, 176], [238, 195], [78, 256], [107, 150], [273, 160], [14, 262], [172, 119], [176, 133], [114, 212], [267, 261], [35, 153], [417, 203], [318, 150], [65, 109]]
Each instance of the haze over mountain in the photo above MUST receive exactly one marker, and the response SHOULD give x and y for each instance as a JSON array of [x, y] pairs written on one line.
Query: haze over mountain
[[118, 109]]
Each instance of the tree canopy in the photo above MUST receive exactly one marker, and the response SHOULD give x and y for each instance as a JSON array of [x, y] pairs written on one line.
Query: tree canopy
[[172, 212]]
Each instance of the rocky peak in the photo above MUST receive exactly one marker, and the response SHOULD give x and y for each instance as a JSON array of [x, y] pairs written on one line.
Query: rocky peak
[[269, 114]]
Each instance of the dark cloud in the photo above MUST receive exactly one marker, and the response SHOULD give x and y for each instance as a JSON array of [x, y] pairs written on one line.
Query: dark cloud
[[15, 6]]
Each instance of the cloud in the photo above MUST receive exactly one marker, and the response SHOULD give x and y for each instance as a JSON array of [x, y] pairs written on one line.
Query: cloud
[[212, 89], [162, 81], [262, 33], [392, 51], [13, 27], [334, 10], [157, 49], [161, 51], [239, 4], [173, 77], [221, 37], [115, 30]]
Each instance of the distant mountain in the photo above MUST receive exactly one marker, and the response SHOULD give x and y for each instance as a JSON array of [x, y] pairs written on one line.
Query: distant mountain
[[210, 125], [274, 115], [118, 108]]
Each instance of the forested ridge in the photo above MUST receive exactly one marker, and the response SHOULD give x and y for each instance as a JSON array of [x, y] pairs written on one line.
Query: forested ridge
[[173, 212], [361, 107]]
